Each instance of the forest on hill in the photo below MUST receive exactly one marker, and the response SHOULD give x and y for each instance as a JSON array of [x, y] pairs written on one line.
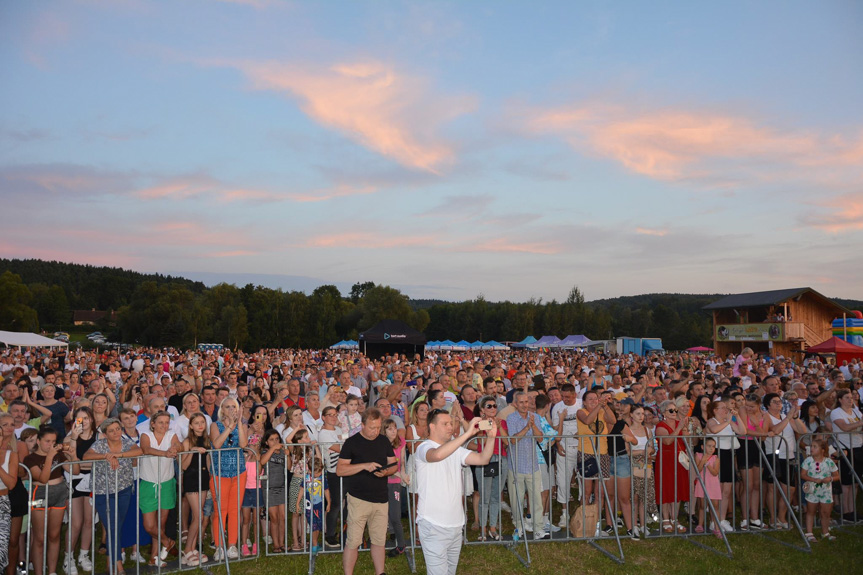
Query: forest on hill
[[155, 309]]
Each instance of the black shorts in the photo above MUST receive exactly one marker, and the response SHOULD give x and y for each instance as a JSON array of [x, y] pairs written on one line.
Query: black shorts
[[726, 465], [785, 471], [18, 499], [748, 456], [855, 457]]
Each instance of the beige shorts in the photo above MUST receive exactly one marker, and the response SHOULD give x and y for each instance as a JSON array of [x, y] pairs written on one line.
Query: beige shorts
[[362, 513]]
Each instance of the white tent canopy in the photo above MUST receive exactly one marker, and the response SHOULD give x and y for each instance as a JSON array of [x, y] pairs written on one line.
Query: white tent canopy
[[26, 339]]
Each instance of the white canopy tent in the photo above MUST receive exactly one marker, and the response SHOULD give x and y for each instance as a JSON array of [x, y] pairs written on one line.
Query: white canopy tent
[[26, 339]]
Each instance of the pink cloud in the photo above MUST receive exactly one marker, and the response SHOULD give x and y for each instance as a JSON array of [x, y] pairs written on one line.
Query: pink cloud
[[503, 245], [651, 232], [193, 186], [684, 144], [370, 240], [843, 214], [389, 112]]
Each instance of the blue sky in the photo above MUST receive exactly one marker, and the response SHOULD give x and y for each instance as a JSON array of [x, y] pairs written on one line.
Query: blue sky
[[508, 149]]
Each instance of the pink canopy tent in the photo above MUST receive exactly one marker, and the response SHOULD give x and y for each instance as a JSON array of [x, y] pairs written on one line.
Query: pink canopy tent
[[699, 348]]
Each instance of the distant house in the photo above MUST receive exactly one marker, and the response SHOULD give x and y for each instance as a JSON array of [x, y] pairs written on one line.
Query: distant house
[[776, 322], [91, 316]]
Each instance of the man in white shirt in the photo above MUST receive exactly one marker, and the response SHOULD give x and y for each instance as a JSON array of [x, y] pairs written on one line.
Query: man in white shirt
[[440, 512], [563, 418]]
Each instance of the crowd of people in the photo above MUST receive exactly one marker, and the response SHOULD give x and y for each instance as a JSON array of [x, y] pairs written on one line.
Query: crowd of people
[[182, 451]]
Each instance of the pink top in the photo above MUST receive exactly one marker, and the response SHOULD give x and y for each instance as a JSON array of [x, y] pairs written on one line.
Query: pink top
[[711, 482], [398, 450]]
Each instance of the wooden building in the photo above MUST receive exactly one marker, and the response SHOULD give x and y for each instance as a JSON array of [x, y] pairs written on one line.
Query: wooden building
[[776, 322]]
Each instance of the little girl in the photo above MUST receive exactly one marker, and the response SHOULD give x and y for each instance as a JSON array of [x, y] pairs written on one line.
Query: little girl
[[298, 468], [273, 456], [710, 462], [395, 488], [350, 420], [317, 494], [252, 498], [819, 472]]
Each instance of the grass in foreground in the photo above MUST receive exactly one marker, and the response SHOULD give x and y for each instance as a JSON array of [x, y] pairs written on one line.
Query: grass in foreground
[[752, 553]]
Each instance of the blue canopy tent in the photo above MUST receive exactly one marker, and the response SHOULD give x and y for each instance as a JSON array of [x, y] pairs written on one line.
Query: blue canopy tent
[[494, 346], [338, 345], [544, 341], [525, 342], [461, 346], [433, 345], [477, 345], [572, 342], [446, 345]]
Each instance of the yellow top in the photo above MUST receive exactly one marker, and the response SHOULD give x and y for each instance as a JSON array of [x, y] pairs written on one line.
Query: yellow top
[[596, 428]]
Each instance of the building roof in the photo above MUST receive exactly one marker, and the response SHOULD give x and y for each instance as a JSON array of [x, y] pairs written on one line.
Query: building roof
[[767, 298], [92, 315]]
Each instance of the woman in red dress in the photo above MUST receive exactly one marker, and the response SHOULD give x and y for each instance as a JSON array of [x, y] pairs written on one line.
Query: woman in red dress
[[672, 479]]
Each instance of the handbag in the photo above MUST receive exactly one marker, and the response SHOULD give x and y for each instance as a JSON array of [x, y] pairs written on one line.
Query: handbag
[[683, 459], [491, 469]]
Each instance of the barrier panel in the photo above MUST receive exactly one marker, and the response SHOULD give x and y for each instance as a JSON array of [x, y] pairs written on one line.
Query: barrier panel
[[602, 494]]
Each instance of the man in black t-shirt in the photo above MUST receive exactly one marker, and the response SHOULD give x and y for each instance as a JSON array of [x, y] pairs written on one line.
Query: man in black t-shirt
[[363, 460]]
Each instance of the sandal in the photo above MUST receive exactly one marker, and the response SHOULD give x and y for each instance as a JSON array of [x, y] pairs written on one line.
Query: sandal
[[667, 526], [810, 537], [155, 561], [680, 528], [191, 558], [494, 535], [828, 537]]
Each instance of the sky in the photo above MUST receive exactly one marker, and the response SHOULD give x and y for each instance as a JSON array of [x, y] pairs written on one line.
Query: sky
[[449, 149]]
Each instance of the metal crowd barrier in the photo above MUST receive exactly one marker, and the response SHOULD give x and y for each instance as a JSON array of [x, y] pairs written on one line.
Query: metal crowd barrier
[[520, 488], [845, 494]]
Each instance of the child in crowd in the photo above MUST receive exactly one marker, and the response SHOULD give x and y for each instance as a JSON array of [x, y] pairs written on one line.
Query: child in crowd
[[273, 457], [708, 469], [819, 472], [317, 498], [350, 420], [298, 469]]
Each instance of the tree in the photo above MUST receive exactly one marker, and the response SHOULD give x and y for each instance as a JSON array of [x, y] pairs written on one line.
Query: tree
[[15, 311], [358, 290], [382, 302]]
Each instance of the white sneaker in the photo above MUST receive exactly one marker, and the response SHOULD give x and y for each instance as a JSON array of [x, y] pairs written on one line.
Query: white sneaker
[[550, 528], [84, 561], [219, 555], [744, 525], [541, 535], [135, 556], [233, 553], [269, 540], [528, 525], [564, 521], [505, 506], [69, 565], [726, 526], [755, 524]]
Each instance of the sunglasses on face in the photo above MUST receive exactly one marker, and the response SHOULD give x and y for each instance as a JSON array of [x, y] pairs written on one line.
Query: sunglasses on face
[[490, 406], [670, 411]]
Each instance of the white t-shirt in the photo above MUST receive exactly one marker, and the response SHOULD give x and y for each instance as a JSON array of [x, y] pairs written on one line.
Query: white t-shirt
[[855, 438], [329, 437], [181, 427], [440, 488], [570, 421], [21, 429]]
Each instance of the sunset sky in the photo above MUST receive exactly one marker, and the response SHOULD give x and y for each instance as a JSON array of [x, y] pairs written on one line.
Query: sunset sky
[[511, 149]]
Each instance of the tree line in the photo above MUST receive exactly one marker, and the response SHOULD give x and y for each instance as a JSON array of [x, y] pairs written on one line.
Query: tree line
[[161, 310]]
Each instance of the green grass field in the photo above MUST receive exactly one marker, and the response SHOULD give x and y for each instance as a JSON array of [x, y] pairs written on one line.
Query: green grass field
[[752, 554]]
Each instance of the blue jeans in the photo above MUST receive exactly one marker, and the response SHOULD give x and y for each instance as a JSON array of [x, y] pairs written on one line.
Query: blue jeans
[[105, 507]]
